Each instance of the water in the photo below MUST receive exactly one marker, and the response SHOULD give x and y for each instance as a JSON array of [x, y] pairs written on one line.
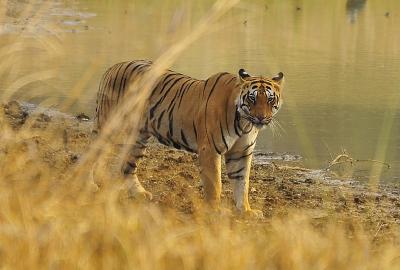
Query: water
[[341, 60]]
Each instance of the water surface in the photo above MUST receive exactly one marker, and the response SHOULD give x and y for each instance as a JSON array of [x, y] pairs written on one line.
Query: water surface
[[341, 60]]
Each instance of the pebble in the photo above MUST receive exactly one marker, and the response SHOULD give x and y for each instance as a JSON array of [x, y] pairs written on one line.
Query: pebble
[[82, 117]]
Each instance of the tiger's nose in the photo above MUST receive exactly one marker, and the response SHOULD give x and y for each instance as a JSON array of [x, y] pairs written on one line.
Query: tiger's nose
[[261, 118], [264, 119]]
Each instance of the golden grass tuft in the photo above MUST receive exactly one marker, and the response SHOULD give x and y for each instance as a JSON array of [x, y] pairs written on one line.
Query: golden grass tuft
[[50, 216]]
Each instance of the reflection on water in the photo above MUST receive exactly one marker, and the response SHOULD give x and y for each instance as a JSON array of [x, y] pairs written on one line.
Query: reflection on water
[[341, 60], [353, 7]]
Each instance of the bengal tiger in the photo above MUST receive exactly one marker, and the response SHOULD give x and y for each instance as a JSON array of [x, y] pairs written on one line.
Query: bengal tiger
[[219, 116]]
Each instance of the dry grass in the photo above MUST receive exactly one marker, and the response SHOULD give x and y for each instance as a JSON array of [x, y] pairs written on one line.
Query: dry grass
[[50, 217], [49, 220]]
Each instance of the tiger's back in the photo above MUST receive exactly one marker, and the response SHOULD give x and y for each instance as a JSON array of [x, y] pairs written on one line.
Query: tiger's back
[[113, 86], [173, 113]]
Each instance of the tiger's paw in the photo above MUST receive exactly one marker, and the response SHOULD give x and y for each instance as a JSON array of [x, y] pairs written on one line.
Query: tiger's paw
[[225, 212], [253, 214], [93, 187], [140, 195]]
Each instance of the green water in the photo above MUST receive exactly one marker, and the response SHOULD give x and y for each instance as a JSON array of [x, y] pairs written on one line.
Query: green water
[[341, 60]]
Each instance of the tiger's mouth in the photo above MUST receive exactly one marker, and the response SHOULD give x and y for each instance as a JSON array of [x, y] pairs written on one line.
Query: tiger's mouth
[[259, 123]]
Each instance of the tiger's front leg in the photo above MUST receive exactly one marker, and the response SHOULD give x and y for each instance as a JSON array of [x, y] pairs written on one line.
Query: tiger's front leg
[[238, 164], [210, 175]]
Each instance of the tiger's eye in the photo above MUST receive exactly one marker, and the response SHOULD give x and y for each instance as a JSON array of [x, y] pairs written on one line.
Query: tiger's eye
[[252, 98]]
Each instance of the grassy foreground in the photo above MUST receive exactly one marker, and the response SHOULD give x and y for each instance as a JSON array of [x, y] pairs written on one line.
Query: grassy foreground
[[49, 219]]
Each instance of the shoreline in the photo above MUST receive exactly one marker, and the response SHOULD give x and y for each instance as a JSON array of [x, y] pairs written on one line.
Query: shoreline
[[170, 175]]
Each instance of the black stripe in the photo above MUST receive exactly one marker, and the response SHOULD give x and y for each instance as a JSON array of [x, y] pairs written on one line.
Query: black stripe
[[139, 145], [250, 145], [222, 135], [229, 81], [184, 92], [255, 82], [237, 171], [165, 85], [174, 144], [136, 68], [161, 83], [236, 123], [212, 89], [124, 78], [195, 131], [239, 158], [132, 164], [177, 94], [131, 73], [226, 115], [248, 131], [115, 79], [205, 85], [240, 127], [215, 146], [237, 177], [176, 79], [159, 119], [162, 98], [171, 122], [236, 130], [183, 137], [208, 99], [161, 139], [268, 83], [130, 167], [106, 88]]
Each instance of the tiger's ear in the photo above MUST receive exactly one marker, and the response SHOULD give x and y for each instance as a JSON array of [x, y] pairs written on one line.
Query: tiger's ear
[[243, 75], [279, 78]]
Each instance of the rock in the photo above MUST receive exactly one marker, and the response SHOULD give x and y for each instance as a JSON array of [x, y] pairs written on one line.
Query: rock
[[186, 175], [16, 113], [309, 181], [82, 117], [73, 157], [359, 199], [43, 118]]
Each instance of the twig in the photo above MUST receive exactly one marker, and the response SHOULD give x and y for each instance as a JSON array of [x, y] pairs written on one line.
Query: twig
[[376, 161], [347, 159], [379, 229]]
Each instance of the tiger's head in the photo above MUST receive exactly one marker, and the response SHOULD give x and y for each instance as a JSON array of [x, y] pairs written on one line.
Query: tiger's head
[[260, 98]]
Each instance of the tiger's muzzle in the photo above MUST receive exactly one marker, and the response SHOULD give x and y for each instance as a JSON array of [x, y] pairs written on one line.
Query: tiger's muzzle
[[259, 121]]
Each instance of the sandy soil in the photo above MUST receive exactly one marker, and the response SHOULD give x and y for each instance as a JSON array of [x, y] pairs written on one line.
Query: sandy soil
[[172, 176]]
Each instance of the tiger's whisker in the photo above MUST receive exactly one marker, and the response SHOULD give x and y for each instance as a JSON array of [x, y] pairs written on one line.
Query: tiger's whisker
[[280, 126], [273, 129], [277, 128]]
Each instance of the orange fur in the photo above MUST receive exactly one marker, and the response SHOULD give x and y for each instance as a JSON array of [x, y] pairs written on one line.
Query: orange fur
[[217, 116]]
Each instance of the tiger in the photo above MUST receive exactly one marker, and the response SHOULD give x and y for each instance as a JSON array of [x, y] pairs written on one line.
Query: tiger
[[217, 117]]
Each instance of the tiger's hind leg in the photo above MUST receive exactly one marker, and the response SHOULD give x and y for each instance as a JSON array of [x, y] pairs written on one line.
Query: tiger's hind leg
[[129, 168]]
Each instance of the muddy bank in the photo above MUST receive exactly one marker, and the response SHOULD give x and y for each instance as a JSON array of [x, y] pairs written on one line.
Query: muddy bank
[[171, 175]]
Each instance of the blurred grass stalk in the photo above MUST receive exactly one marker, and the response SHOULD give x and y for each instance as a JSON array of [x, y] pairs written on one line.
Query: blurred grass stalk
[[50, 219]]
